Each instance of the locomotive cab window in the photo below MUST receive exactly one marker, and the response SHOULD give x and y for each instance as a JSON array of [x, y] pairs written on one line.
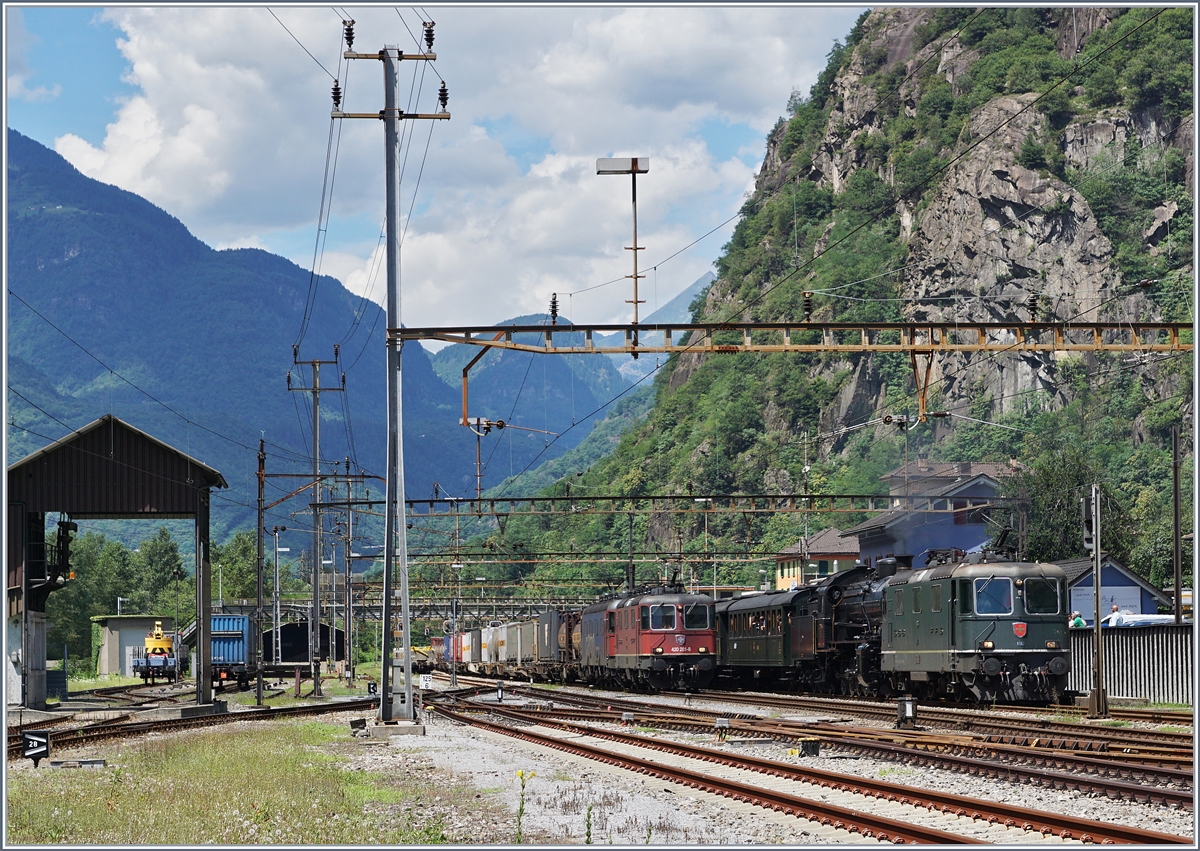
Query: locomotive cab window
[[695, 616], [1041, 596], [993, 596], [645, 613], [662, 617], [612, 621], [964, 596]]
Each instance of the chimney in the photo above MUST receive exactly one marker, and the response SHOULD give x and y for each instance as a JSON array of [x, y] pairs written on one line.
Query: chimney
[[964, 468], [923, 465]]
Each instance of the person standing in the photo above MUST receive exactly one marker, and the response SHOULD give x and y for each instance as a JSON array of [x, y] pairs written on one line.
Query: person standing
[[1077, 621], [1116, 618]]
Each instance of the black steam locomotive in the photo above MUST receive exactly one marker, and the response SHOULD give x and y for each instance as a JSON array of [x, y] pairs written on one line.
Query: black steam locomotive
[[975, 626]]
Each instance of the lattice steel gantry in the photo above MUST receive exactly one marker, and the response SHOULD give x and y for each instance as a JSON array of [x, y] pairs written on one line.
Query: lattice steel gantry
[[917, 339]]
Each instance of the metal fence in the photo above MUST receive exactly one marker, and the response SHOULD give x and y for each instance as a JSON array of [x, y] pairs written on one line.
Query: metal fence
[[1154, 663]]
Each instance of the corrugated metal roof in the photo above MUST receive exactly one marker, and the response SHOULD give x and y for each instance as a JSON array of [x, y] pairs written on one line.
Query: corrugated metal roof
[[111, 469]]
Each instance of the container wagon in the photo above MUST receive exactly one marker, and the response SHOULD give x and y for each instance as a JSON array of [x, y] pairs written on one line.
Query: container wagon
[[231, 650]]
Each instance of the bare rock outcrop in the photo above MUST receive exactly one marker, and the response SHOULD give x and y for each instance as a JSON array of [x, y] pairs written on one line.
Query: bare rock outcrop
[[996, 233]]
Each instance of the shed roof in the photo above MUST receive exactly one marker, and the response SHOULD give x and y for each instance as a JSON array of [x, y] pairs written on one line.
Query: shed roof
[[110, 469], [826, 542]]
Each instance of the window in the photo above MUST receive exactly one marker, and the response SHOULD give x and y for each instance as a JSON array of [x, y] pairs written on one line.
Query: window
[[662, 617], [695, 616], [645, 612], [898, 602], [612, 621], [916, 601], [964, 597], [935, 598], [993, 596], [1041, 596], [963, 517]]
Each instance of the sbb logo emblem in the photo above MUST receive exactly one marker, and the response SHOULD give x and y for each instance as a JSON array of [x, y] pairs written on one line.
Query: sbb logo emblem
[[1019, 629], [681, 640]]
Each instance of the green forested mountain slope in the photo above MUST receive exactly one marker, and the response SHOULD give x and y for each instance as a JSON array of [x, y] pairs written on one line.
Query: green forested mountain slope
[[947, 163], [209, 335]]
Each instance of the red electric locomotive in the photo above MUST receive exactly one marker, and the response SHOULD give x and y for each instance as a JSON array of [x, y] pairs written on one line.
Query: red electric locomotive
[[658, 638]]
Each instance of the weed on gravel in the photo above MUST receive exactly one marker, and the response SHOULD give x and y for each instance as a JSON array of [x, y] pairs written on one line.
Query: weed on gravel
[[269, 783]]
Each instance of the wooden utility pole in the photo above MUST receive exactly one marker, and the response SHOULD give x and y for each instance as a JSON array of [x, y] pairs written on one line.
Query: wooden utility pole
[[1176, 530]]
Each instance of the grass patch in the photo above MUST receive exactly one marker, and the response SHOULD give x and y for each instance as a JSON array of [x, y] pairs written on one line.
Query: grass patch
[[268, 784]]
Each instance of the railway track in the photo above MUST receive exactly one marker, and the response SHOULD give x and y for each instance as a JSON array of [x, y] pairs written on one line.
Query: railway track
[[843, 812], [964, 719], [1114, 773], [89, 734]]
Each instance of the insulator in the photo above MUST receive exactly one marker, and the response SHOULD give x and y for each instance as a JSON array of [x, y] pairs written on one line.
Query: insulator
[[337, 96], [428, 35], [349, 33], [289, 380], [553, 308], [343, 381], [443, 96], [336, 346], [1032, 304], [808, 305]]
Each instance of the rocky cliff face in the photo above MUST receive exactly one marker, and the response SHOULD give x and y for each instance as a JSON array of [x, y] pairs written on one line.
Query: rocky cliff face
[[993, 233]]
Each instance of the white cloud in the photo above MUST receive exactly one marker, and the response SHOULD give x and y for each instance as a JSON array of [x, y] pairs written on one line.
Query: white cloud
[[229, 129], [18, 41]]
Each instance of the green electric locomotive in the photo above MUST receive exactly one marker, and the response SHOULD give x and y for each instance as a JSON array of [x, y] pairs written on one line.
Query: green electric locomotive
[[975, 626]]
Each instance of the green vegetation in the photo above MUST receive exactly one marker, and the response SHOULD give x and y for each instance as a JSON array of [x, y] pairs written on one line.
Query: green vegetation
[[743, 423], [276, 784]]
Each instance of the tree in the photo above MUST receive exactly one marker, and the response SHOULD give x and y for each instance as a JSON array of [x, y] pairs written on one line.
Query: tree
[[1053, 485], [158, 560], [238, 560]]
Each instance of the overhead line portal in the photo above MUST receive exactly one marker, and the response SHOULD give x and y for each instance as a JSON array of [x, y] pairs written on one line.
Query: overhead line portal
[[734, 337]]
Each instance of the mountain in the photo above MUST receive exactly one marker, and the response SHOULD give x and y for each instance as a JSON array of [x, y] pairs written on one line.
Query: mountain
[[548, 404], [678, 309], [969, 163], [127, 296]]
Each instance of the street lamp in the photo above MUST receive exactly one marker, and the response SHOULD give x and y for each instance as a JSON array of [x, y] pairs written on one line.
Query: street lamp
[[633, 166], [707, 508], [275, 530]]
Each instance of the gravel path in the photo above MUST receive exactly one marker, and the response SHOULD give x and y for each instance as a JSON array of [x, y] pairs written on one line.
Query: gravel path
[[631, 809]]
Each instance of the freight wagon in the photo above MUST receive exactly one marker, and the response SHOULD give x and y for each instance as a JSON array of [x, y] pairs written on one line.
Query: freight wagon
[[232, 650]]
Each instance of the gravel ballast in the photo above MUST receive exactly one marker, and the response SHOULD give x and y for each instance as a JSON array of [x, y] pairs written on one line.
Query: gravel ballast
[[633, 809]]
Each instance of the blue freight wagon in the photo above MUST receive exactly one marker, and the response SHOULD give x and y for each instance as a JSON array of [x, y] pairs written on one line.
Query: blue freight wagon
[[232, 650]]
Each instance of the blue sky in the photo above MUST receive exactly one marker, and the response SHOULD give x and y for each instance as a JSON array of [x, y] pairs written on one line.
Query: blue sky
[[221, 117]]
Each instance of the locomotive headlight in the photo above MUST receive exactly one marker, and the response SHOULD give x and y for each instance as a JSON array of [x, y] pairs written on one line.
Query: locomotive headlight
[[658, 651], [987, 645], [1051, 645], [703, 649]]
